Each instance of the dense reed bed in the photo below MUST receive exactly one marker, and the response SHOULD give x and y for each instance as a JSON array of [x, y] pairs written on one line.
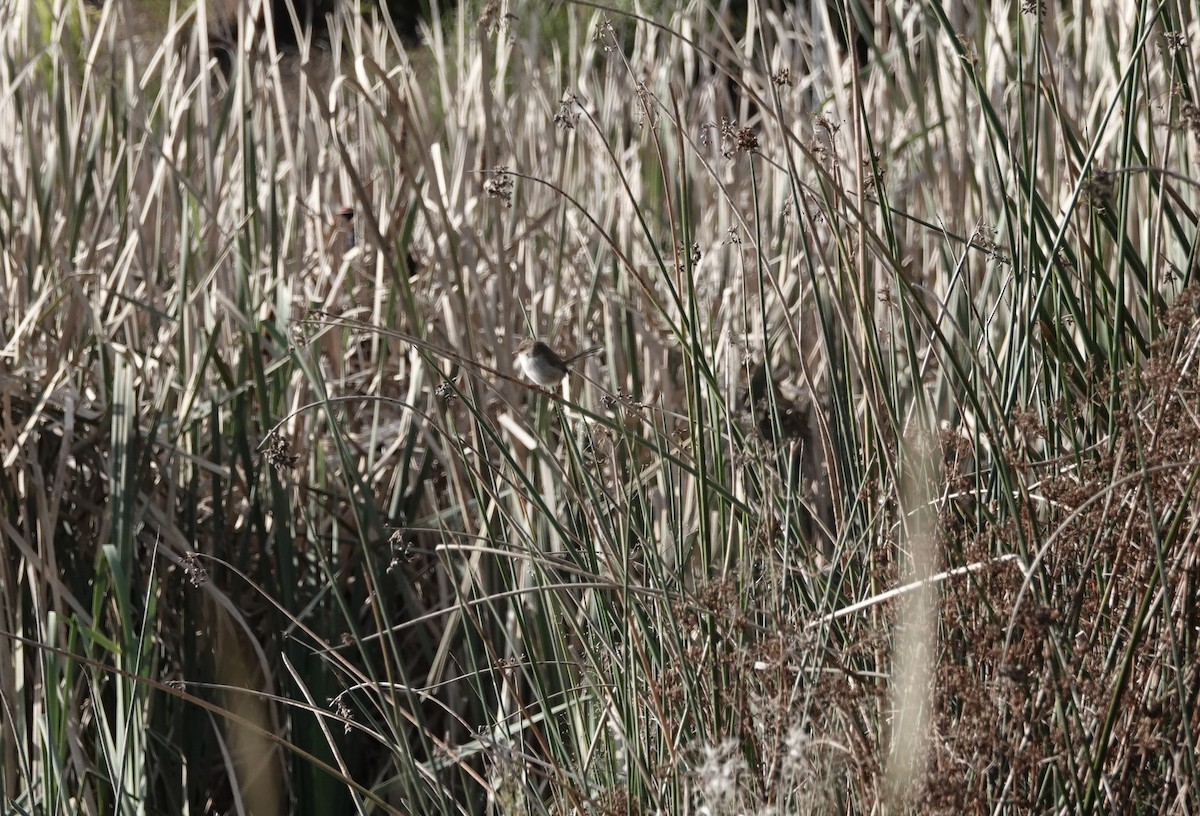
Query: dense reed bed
[[881, 498]]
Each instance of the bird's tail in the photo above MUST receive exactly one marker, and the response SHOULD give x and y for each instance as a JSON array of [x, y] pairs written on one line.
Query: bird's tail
[[582, 354]]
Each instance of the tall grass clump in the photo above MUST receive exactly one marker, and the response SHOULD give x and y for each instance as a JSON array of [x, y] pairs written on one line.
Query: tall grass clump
[[882, 497]]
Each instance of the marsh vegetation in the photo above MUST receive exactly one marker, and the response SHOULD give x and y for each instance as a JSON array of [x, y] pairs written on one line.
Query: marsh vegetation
[[882, 496]]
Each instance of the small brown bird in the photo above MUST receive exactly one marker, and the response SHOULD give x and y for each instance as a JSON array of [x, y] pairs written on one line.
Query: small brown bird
[[541, 364]]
